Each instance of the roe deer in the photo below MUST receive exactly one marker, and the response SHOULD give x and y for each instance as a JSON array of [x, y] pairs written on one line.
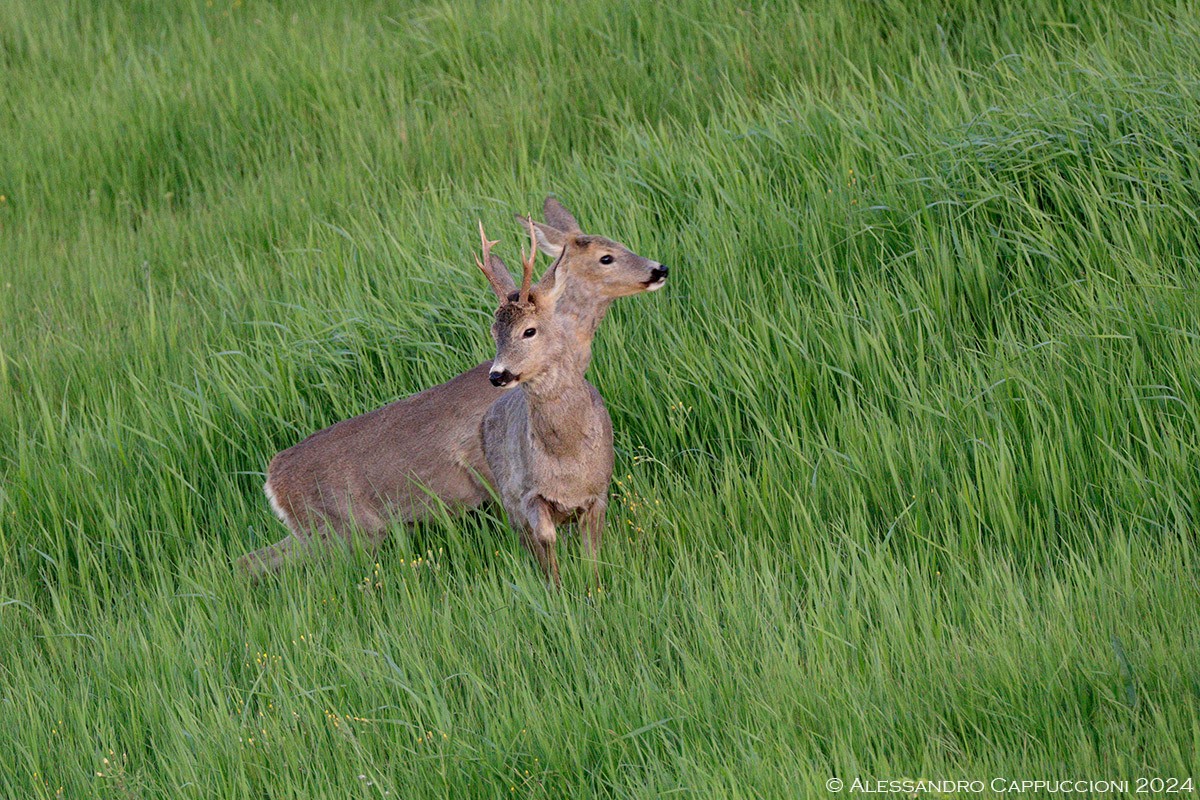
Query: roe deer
[[550, 443], [401, 461]]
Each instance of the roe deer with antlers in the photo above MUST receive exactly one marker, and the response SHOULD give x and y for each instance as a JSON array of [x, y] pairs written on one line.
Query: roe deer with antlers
[[549, 444], [405, 460]]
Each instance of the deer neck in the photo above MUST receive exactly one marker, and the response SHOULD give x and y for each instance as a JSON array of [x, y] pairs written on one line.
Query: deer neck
[[560, 408], [580, 314], [583, 309]]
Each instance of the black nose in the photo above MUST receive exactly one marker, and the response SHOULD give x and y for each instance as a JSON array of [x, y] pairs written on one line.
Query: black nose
[[658, 273], [500, 378]]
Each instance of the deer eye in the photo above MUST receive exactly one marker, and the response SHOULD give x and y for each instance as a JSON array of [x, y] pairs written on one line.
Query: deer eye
[[530, 333], [606, 259]]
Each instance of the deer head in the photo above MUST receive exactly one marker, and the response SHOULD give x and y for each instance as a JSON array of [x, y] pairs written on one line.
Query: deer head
[[608, 269], [530, 341]]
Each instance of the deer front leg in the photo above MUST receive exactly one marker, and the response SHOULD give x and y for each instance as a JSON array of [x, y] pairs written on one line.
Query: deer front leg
[[592, 526], [541, 537]]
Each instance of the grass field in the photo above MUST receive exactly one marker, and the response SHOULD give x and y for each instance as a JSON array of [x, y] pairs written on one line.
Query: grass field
[[908, 452]]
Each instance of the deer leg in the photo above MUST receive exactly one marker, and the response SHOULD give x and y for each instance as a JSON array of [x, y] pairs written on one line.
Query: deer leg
[[315, 523], [269, 559], [306, 534], [327, 531], [541, 538], [362, 525], [273, 558], [526, 525], [592, 526]]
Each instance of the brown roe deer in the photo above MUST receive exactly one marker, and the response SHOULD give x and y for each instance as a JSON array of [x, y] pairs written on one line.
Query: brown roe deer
[[549, 444], [405, 460]]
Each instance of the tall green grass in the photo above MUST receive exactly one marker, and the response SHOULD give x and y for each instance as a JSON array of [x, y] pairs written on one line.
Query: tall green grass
[[907, 450]]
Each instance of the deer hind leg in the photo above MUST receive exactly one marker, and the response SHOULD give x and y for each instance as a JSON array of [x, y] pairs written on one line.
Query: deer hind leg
[[312, 525], [539, 537], [269, 559], [311, 534], [360, 523], [274, 557], [341, 513]]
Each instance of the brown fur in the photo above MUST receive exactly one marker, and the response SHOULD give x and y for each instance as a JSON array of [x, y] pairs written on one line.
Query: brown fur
[[401, 461], [548, 444]]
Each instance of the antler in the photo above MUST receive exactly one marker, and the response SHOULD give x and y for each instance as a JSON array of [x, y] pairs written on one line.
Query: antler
[[500, 285], [487, 250], [527, 277]]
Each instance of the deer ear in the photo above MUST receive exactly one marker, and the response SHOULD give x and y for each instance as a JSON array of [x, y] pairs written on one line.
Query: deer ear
[[550, 286], [557, 215], [551, 240]]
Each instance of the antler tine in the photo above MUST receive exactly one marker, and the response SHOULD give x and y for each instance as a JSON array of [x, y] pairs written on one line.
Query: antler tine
[[527, 277], [501, 282], [487, 251], [485, 265]]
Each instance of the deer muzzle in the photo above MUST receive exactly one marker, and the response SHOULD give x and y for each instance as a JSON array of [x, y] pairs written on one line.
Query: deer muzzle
[[501, 378], [658, 277]]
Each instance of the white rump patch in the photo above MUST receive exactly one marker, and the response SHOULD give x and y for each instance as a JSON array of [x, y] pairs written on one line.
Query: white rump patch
[[278, 509]]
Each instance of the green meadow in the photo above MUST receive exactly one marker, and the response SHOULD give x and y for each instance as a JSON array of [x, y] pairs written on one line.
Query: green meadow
[[908, 462]]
